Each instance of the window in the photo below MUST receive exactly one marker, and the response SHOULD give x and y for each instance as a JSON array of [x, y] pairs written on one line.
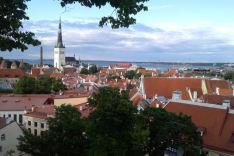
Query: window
[[29, 123], [35, 124], [232, 139], [61, 52], [42, 125], [20, 119], [0, 148], [15, 117], [3, 137], [35, 132], [4, 115], [9, 115]]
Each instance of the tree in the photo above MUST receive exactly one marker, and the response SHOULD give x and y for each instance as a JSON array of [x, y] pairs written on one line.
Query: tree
[[84, 71], [129, 87], [171, 130], [114, 126], [147, 75], [65, 136], [122, 8], [93, 69], [42, 85], [12, 13], [228, 75], [6, 90], [110, 76], [58, 85], [25, 85], [130, 74], [213, 73]]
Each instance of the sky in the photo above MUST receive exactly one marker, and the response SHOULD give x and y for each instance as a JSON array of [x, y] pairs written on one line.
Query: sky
[[170, 31]]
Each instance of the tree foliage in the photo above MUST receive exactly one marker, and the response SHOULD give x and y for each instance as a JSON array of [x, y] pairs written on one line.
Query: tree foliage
[[93, 69], [114, 127], [6, 90], [84, 71], [110, 76], [64, 137], [123, 9], [229, 75], [58, 85], [25, 85], [12, 13], [131, 74], [42, 85], [171, 130], [147, 75]]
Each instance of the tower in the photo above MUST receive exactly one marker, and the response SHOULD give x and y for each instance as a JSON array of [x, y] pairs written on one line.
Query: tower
[[41, 57], [59, 49]]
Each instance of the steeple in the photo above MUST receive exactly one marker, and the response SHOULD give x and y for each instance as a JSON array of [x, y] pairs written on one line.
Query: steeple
[[60, 40]]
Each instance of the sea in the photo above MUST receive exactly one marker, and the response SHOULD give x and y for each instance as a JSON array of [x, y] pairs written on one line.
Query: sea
[[107, 63]]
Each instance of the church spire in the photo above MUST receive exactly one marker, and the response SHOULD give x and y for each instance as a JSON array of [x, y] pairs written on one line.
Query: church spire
[[60, 40]]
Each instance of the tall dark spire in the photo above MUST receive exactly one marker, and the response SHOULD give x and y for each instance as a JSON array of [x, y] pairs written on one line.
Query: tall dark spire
[[60, 40]]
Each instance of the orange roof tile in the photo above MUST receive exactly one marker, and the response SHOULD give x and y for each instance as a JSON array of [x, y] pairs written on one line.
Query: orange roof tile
[[172, 73], [152, 72], [226, 91], [155, 102], [165, 86], [189, 74], [57, 75], [3, 64], [21, 63], [11, 73], [14, 64], [212, 84], [214, 120], [136, 100], [132, 92]]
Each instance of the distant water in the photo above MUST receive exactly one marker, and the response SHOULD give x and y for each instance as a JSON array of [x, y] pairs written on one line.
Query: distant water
[[107, 63]]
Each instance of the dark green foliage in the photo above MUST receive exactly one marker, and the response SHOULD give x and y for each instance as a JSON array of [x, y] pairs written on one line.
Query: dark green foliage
[[84, 71], [64, 137], [166, 130], [25, 85], [42, 85], [123, 9], [114, 127], [93, 69], [229, 75], [147, 75], [130, 74], [130, 87], [12, 13], [6, 90], [58, 85], [213, 73], [110, 76]]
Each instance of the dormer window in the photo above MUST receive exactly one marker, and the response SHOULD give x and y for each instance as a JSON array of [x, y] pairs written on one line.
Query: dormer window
[[3, 137], [201, 130]]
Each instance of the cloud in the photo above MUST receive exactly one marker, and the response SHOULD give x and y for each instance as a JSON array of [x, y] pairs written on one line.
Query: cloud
[[160, 7], [137, 43]]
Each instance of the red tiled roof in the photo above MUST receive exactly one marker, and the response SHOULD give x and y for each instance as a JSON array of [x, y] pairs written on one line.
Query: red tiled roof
[[155, 102], [3, 122], [172, 73], [127, 65], [165, 86], [17, 103], [21, 63], [217, 99], [57, 75], [3, 64], [198, 90], [11, 73], [136, 100], [214, 120], [69, 70], [14, 64], [143, 71], [189, 75], [213, 84], [35, 71], [132, 92], [226, 91], [85, 109]]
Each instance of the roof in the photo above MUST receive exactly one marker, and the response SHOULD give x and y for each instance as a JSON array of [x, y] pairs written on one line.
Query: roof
[[14, 64], [18, 103], [68, 70], [213, 84], [217, 99], [189, 75], [42, 112], [165, 86], [3, 122], [3, 64], [226, 91], [50, 71], [136, 100], [70, 59], [85, 109], [198, 90], [155, 102], [218, 123], [11, 73], [132, 92], [21, 63], [57, 75], [172, 72], [143, 71]]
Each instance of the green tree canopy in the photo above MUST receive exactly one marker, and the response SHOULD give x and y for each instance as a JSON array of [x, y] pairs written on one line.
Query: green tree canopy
[[58, 85], [93, 69], [171, 130], [147, 75], [42, 85], [229, 75], [123, 9], [114, 126], [65, 136], [130, 74], [12, 13], [84, 71], [25, 85]]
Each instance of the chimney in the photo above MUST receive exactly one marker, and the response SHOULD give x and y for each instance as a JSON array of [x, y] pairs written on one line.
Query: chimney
[[194, 96], [115, 80], [156, 96], [217, 90], [40, 70], [81, 108], [25, 110], [33, 107], [176, 95], [157, 105], [226, 103], [41, 57]]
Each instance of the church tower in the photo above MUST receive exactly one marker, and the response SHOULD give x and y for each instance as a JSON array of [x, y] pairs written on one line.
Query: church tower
[[59, 49]]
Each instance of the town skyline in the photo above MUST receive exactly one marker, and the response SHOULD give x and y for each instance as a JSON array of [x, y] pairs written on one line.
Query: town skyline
[[172, 36]]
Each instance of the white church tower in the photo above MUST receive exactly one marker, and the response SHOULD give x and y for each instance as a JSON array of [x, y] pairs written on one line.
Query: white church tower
[[59, 49]]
